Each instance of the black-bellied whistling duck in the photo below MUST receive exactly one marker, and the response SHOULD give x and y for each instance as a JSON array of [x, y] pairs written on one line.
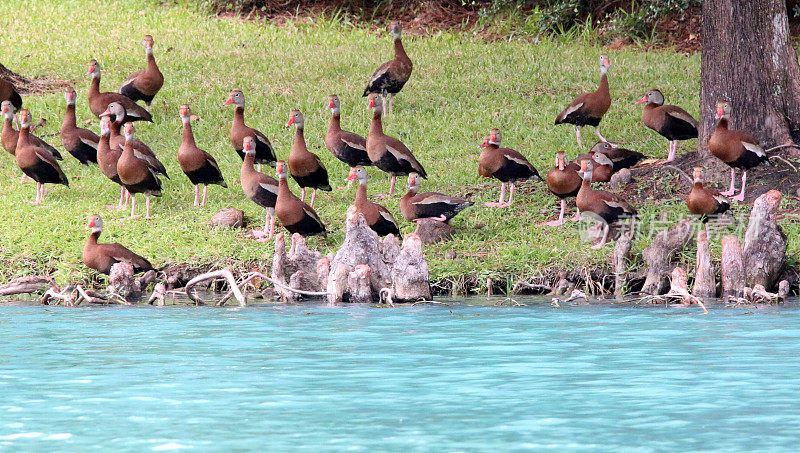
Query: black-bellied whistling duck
[[36, 162], [138, 173], [8, 92], [671, 121], [101, 257], [305, 167], [260, 188], [563, 181], [390, 77], [119, 140], [603, 168], [588, 109], [80, 142], [294, 214], [107, 157], [600, 205], [388, 153], [378, 218], [199, 166], [265, 154], [738, 149], [505, 165], [703, 201], [98, 102], [620, 157], [437, 206], [10, 136], [348, 147], [143, 85]]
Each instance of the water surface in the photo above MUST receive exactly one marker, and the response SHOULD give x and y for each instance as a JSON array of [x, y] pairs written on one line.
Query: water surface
[[423, 378]]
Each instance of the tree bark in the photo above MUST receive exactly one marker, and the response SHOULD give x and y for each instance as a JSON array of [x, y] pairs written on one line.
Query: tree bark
[[704, 285], [764, 248], [732, 268], [748, 60]]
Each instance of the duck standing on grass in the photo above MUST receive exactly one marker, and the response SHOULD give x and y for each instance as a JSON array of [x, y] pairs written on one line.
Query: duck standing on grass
[[305, 167], [671, 121], [564, 181], [504, 164], [261, 188], [703, 201], [588, 109], [143, 85], [391, 76], [36, 162], [378, 217], [199, 166], [437, 206]]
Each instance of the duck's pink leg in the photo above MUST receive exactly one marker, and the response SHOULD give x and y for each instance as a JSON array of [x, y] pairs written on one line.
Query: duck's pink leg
[[303, 194], [597, 130], [147, 206], [493, 204], [510, 197], [123, 198], [577, 216], [391, 186], [731, 190], [271, 226], [205, 192], [313, 197], [196, 194], [578, 136], [133, 206], [604, 239], [740, 197], [673, 148], [560, 221]]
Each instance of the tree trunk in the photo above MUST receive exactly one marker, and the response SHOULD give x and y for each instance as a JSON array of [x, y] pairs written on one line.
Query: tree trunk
[[748, 60]]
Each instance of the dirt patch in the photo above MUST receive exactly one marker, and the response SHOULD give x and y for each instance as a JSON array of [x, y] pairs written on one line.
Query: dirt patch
[[27, 86]]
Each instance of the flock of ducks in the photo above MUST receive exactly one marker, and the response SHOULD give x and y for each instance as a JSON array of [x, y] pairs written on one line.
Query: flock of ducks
[[131, 164]]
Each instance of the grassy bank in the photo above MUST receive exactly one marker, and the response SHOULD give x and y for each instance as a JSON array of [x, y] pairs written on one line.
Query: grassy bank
[[461, 87]]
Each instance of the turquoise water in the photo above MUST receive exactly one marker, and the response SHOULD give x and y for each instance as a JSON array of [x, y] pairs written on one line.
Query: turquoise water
[[425, 378]]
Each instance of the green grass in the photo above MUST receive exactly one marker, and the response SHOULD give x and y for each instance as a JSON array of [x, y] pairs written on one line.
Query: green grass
[[461, 87]]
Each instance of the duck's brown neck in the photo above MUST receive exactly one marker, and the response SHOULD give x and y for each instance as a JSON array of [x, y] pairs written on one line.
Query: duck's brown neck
[[586, 184], [93, 238], [24, 135], [104, 143], [7, 126], [69, 118], [115, 128], [299, 145], [94, 88], [283, 188], [188, 136], [151, 62], [248, 164], [603, 88], [361, 194], [238, 117], [723, 123], [336, 123], [399, 50], [376, 126]]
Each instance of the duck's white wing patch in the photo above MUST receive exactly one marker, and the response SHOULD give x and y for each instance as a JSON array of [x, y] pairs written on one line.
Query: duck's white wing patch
[[354, 145], [269, 187], [572, 109], [311, 213], [436, 198], [754, 148], [683, 116], [721, 199], [379, 72], [399, 155], [263, 140], [388, 217], [45, 155], [521, 161], [91, 143]]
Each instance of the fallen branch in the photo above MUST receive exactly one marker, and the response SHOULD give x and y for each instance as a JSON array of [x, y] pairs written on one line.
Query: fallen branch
[[224, 273], [28, 285]]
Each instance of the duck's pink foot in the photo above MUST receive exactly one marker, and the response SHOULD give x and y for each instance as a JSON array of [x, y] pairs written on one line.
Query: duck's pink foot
[[259, 234], [728, 193], [493, 204], [504, 205], [599, 245], [555, 223], [576, 217], [441, 218], [739, 198], [380, 196]]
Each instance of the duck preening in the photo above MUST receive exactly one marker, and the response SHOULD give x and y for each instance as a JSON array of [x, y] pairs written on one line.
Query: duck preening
[[239, 130], [10, 136], [305, 167], [564, 181], [143, 85], [388, 153], [703, 201], [199, 166], [294, 214], [600, 205], [348, 147], [139, 172], [588, 109], [504, 164], [737, 149], [81, 143], [391, 76], [36, 162], [378, 218], [8, 92], [98, 102], [101, 257], [107, 158], [417, 206], [260, 188], [671, 121]]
